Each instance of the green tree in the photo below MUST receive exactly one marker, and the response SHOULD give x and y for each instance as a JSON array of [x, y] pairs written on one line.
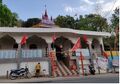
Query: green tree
[[115, 18], [65, 21], [7, 18], [0, 1], [92, 22], [113, 41], [30, 22]]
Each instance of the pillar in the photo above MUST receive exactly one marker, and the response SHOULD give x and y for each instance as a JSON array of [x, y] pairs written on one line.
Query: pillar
[[101, 44], [49, 42], [19, 52]]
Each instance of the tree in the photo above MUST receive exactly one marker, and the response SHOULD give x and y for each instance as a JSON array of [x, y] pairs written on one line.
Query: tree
[[115, 18], [7, 18], [0, 1], [113, 41], [65, 21], [30, 22], [92, 22]]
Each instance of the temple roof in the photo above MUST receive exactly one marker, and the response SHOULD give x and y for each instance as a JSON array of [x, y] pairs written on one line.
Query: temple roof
[[51, 30]]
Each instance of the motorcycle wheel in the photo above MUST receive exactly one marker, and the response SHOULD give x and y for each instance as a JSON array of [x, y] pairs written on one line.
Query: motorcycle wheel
[[12, 76], [28, 75]]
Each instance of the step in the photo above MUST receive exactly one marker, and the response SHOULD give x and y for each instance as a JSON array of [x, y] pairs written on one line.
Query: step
[[74, 72], [61, 69], [67, 70], [59, 73]]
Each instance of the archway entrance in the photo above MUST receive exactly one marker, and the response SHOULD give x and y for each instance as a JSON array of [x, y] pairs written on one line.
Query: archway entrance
[[96, 46], [8, 42], [62, 46], [36, 43]]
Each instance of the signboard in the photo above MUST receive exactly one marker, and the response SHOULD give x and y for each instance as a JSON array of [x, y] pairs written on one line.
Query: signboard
[[85, 52], [102, 63]]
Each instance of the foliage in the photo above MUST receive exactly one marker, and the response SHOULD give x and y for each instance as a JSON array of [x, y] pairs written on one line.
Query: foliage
[[65, 21], [30, 22], [0, 1], [115, 18], [7, 18], [90, 22], [110, 41]]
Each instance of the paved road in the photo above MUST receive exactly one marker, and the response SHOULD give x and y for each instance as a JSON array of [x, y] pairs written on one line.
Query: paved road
[[102, 78], [92, 79]]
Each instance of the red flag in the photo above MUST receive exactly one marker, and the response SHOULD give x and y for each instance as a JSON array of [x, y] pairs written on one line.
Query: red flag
[[85, 38], [105, 55], [53, 38], [23, 40], [77, 45]]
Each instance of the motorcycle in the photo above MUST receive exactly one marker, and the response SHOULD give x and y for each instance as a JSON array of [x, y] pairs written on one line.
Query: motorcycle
[[23, 72], [91, 69]]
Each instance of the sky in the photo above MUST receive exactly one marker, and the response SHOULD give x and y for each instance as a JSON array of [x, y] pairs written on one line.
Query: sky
[[35, 8]]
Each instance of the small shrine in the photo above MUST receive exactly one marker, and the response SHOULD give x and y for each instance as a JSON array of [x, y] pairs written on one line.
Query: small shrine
[[46, 22]]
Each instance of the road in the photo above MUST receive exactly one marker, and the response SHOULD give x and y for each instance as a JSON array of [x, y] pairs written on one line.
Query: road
[[102, 78], [91, 79]]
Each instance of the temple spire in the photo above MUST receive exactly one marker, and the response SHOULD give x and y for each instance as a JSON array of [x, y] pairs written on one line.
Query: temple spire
[[46, 14]]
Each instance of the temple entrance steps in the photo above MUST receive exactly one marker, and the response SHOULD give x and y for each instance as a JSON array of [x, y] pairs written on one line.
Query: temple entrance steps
[[66, 68], [63, 70], [60, 67]]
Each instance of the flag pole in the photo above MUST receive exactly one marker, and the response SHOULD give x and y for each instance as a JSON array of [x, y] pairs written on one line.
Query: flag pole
[[81, 58]]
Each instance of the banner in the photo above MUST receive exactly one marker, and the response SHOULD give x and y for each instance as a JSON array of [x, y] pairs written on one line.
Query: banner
[[77, 45], [23, 40], [102, 63], [85, 52]]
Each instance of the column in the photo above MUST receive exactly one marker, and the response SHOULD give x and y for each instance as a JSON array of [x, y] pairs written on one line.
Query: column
[[19, 53], [101, 43], [48, 50]]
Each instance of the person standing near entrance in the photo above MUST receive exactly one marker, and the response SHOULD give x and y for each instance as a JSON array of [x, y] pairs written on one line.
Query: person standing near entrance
[[61, 53], [37, 69]]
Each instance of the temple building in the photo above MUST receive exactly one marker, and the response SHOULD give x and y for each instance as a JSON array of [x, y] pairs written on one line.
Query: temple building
[[39, 45]]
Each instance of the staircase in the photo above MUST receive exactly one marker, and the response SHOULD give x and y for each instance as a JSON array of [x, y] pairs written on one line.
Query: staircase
[[63, 70]]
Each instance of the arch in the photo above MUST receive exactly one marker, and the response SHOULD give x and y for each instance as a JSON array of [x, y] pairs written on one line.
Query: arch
[[83, 44], [7, 42], [38, 41], [95, 43], [67, 44], [96, 46]]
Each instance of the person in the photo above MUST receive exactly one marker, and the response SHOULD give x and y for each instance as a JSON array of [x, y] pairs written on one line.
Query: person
[[38, 69], [59, 54]]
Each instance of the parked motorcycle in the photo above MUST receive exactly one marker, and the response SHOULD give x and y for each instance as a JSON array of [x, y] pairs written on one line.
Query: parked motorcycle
[[23, 72], [91, 69]]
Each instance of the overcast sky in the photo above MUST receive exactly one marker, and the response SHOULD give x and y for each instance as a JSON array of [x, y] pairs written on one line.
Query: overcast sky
[[35, 8]]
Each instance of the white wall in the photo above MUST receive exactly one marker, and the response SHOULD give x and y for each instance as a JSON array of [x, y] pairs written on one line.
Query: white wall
[[6, 67], [31, 66]]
